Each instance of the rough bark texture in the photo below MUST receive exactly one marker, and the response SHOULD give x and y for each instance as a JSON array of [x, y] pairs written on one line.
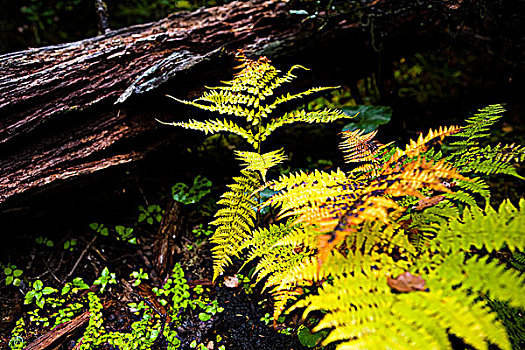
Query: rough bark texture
[[64, 109], [51, 338], [80, 107]]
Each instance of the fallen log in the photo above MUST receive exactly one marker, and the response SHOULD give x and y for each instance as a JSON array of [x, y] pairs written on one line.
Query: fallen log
[[77, 108], [65, 109]]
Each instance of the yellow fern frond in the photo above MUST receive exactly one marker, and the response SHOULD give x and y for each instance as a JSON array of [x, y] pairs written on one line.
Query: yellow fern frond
[[280, 80], [303, 179], [215, 126], [261, 162], [288, 97], [222, 97], [281, 298], [235, 220], [301, 116]]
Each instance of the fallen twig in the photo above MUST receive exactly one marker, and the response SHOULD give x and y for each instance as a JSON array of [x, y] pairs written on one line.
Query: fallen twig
[[78, 260], [46, 340]]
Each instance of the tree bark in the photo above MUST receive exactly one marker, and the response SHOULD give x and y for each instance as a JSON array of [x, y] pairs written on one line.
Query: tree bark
[[66, 110], [76, 108]]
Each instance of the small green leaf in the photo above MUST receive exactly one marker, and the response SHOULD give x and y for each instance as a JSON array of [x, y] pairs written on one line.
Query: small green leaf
[[9, 280], [16, 282], [8, 271], [40, 302], [104, 232], [66, 289], [150, 220], [49, 243], [37, 285], [17, 273], [193, 344], [142, 217], [93, 225], [28, 299], [48, 290], [204, 316], [308, 338], [180, 192]]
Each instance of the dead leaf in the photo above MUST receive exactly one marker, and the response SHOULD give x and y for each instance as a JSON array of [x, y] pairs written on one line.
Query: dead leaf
[[406, 282], [231, 281], [428, 202]]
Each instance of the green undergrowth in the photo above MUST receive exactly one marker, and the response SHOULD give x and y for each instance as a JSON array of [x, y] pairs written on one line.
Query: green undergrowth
[[53, 308]]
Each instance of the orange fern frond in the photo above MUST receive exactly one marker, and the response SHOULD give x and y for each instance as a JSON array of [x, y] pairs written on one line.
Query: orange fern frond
[[415, 148], [362, 148], [359, 147]]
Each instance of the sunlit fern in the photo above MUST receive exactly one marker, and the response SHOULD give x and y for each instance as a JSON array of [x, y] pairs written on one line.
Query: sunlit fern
[[250, 97], [385, 281]]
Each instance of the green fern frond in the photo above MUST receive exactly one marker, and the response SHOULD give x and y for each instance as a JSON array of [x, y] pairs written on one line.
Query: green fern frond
[[475, 185], [517, 261], [470, 157], [482, 165], [277, 261], [481, 276], [235, 220], [281, 298], [508, 153], [261, 162], [302, 179], [301, 237], [478, 126], [488, 229], [308, 271], [421, 225], [462, 197], [280, 80], [222, 97]]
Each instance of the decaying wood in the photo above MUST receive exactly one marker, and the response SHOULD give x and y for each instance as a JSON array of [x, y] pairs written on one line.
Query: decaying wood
[[168, 237], [76, 108], [66, 110], [47, 340]]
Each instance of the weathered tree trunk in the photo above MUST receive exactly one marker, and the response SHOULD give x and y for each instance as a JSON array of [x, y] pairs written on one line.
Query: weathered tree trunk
[[76, 108], [66, 110]]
